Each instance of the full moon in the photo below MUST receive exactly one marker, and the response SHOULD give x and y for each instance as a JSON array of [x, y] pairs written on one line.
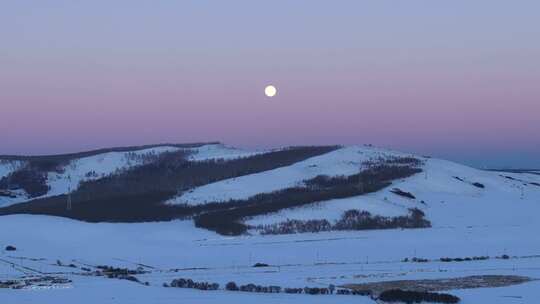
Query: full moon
[[270, 91]]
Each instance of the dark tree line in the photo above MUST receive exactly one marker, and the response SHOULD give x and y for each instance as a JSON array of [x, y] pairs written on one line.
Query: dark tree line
[[410, 297], [227, 219], [350, 220], [189, 283]]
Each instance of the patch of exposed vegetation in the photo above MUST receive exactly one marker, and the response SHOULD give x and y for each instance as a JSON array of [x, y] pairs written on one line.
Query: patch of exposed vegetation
[[120, 273], [350, 220], [28, 282], [33, 182], [434, 285], [409, 297], [400, 192], [189, 283]]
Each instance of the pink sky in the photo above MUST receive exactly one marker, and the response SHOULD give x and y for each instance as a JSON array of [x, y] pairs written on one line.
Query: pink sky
[[452, 80]]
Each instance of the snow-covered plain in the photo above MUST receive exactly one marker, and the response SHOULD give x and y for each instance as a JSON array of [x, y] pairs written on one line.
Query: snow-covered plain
[[177, 249], [499, 219]]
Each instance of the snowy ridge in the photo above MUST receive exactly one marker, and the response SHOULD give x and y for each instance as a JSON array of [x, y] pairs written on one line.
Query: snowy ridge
[[220, 151]]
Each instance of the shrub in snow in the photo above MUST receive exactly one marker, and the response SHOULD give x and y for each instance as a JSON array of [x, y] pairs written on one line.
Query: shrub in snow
[[400, 192], [293, 290], [406, 296], [231, 286], [479, 185], [260, 265]]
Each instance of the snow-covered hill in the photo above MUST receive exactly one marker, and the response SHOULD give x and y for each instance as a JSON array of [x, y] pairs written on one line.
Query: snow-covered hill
[[70, 175], [473, 213]]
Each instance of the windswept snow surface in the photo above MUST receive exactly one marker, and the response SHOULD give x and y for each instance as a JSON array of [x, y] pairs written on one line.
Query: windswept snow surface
[[344, 161]]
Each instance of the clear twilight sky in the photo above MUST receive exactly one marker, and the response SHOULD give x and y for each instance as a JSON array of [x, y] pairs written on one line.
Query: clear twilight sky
[[453, 79]]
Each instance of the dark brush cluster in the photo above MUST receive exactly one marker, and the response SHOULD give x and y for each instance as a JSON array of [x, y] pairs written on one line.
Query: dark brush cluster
[[350, 220], [409, 297]]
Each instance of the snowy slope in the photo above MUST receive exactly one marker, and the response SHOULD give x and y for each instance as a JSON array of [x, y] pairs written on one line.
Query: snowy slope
[[500, 218], [446, 200], [344, 161], [100, 165], [6, 167]]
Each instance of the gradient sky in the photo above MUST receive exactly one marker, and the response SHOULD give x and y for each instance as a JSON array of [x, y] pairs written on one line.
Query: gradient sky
[[454, 79]]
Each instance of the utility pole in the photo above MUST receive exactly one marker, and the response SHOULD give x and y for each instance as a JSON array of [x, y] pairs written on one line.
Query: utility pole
[[68, 206]]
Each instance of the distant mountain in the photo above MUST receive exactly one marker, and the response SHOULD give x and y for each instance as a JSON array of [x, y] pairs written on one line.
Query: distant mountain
[[280, 191]]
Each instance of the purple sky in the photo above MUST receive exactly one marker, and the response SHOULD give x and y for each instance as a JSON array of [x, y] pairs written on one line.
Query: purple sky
[[454, 79]]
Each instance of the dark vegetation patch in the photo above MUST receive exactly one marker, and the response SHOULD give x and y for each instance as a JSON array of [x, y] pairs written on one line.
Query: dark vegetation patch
[[350, 220], [467, 259], [400, 192], [478, 185], [436, 285], [261, 265], [119, 273], [232, 286], [227, 220], [189, 283], [10, 248], [33, 182], [7, 193], [136, 194], [522, 181], [58, 158], [475, 184], [409, 297], [415, 260], [41, 281]]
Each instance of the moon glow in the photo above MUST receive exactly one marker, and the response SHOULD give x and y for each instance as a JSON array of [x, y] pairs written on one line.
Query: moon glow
[[270, 91]]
